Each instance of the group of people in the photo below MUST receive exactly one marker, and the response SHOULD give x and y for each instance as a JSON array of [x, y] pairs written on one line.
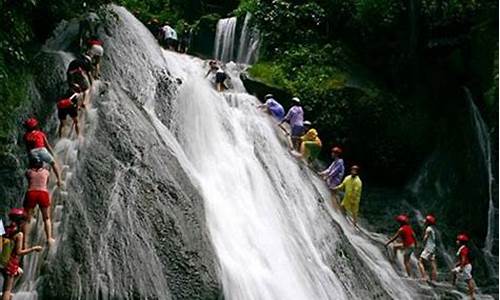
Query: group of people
[[405, 241], [41, 157], [305, 144]]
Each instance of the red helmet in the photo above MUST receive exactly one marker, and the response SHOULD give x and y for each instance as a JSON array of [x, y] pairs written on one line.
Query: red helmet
[[16, 213], [463, 237], [337, 150], [403, 219], [31, 123], [430, 219]]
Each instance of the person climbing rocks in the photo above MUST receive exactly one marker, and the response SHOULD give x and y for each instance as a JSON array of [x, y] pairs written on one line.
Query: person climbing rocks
[[272, 107], [38, 146], [88, 27], [407, 241], [310, 145], [38, 194], [79, 74], [212, 68], [68, 105], [334, 174], [95, 51], [295, 117], [14, 234], [428, 255], [352, 187], [168, 36], [220, 79], [463, 267]]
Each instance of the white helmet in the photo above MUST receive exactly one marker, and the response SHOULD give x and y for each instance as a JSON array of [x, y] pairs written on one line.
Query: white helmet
[[295, 99], [307, 123], [96, 50]]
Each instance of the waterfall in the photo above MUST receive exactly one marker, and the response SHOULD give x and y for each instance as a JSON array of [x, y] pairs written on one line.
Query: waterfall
[[484, 144], [180, 192], [225, 36], [224, 39], [248, 50]]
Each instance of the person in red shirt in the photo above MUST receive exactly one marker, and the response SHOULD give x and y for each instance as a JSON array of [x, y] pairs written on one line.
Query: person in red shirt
[[38, 194], [38, 146], [407, 241], [463, 267], [68, 105]]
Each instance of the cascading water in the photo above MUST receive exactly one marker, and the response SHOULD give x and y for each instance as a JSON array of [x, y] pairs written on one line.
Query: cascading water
[[248, 49], [179, 192], [483, 140], [224, 39]]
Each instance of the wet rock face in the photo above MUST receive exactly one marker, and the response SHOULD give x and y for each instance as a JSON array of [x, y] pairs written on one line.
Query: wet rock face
[[133, 224]]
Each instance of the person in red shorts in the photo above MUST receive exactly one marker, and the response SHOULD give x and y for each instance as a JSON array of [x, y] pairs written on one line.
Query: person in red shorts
[[13, 232], [407, 241], [38, 194]]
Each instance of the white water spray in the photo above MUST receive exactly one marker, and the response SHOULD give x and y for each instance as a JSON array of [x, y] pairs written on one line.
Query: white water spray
[[224, 39]]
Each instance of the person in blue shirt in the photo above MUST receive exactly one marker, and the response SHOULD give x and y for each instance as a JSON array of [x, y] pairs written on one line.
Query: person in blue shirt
[[272, 107]]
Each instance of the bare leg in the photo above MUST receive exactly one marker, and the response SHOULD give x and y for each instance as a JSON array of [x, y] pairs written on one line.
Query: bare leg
[[421, 267], [8, 284], [453, 278], [61, 125], [470, 285], [57, 172], [77, 128], [47, 224], [26, 227], [434, 270], [407, 265]]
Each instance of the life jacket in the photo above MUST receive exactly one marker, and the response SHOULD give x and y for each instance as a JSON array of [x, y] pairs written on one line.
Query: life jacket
[[7, 244], [406, 234], [35, 139]]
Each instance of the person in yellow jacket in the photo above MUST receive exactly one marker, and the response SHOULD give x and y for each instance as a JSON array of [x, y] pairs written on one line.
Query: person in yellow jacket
[[352, 187], [310, 145]]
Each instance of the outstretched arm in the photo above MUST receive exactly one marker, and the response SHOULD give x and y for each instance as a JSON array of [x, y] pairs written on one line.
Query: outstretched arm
[[392, 239], [19, 246]]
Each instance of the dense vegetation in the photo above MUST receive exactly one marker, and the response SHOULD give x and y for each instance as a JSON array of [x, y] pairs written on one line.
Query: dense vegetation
[[382, 78], [376, 75]]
